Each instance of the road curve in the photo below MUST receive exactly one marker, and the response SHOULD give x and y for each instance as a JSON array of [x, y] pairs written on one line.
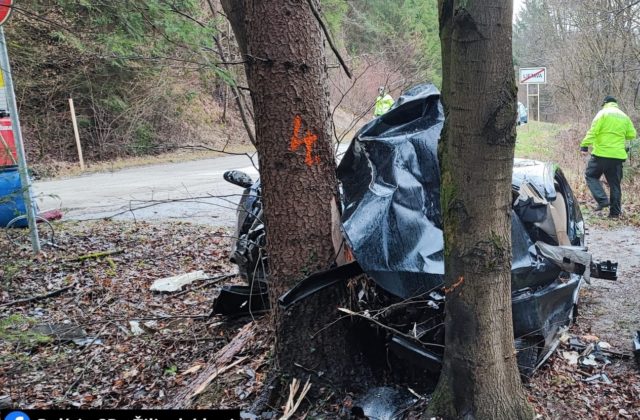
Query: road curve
[[191, 191]]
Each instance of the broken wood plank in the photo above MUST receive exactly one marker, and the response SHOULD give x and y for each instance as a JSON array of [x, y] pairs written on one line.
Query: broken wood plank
[[221, 362]]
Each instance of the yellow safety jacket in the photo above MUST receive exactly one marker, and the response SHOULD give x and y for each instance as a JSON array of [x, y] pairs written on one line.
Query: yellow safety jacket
[[609, 131], [383, 104]]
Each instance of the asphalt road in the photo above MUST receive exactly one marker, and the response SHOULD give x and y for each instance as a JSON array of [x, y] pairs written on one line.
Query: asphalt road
[[191, 191]]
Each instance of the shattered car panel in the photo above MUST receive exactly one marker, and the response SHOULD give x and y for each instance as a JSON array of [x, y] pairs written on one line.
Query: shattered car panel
[[392, 220]]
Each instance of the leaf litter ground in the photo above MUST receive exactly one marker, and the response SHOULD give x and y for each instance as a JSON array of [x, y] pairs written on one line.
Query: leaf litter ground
[[179, 339], [114, 367]]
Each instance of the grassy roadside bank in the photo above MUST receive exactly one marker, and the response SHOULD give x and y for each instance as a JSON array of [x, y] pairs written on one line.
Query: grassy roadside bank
[[53, 170], [560, 144]]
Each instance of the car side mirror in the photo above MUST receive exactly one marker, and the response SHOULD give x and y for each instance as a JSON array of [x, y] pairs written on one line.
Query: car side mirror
[[238, 178]]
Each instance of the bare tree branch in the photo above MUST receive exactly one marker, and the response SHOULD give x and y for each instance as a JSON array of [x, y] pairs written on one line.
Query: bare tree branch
[[329, 40]]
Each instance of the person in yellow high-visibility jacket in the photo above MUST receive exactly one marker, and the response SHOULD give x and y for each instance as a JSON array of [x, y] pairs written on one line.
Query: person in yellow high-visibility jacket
[[384, 102], [610, 131]]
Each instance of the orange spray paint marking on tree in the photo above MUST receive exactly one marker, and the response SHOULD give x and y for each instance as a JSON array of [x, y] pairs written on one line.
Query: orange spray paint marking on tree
[[454, 286], [309, 140]]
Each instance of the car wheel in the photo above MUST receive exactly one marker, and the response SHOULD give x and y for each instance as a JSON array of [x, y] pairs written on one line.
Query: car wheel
[[527, 355]]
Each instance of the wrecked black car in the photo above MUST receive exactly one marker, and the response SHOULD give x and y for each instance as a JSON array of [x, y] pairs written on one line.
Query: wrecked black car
[[392, 224]]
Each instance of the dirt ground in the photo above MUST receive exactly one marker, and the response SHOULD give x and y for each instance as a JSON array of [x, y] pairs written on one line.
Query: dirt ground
[[608, 310], [115, 364], [613, 308]]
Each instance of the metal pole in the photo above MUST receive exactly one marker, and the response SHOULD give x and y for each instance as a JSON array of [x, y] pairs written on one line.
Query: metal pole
[[538, 85], [528, 106], [17, 134]]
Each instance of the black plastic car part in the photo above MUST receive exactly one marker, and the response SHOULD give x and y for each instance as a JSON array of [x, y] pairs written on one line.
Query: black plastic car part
[[319, 281], [416, 353], [238, 300], [606, 270]]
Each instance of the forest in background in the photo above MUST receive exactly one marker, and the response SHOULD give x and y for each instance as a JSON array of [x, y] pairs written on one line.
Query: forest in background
[[591, 49], [147, 76], [150, 76]]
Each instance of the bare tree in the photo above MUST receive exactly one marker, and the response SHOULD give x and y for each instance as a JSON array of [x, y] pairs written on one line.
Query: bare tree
[[591, 50], [479, 377]]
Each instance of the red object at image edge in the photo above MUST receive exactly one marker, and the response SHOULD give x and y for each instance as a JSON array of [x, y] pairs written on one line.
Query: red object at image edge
[[5, 10]]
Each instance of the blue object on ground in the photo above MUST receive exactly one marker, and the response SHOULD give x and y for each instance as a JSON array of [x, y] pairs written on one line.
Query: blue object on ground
[[11, 198]]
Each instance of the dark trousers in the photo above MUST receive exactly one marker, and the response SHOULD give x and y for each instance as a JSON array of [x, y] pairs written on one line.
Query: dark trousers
[[612, 170]]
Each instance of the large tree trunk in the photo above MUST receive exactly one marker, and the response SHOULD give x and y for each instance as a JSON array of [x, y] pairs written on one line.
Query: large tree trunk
[[479, 377], [286, 71]]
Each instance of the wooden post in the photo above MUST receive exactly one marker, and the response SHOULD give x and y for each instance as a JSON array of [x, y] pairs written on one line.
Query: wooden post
[[77, 134]]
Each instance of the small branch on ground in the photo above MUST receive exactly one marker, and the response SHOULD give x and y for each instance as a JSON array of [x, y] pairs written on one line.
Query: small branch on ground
[[39, 297], [98, 254]]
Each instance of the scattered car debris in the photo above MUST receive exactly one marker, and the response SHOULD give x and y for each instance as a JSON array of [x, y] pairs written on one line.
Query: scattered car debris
[[176, 283], [606, 270], [604, 345], [588, 361], [135, 328], [238, 300], [139, 328], [383, 403], [588, 355], [571, 357], [590, 344], [601, 377], [66, 332]]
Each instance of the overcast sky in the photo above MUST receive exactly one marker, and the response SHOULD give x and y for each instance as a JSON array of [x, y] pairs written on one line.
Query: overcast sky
[[517, 4]]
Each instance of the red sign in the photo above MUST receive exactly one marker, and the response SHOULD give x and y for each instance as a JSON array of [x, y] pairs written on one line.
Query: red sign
[[5, 10]]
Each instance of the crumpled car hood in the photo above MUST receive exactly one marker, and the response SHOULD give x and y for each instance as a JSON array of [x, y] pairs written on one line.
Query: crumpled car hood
[[391, 185], [391, 201]]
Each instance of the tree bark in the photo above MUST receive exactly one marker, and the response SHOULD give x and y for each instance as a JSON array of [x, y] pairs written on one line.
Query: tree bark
[[287, 75], [236, 92], [479, 377]]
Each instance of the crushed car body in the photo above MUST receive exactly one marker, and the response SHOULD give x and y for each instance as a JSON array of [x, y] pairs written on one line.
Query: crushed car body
[[392, 223]]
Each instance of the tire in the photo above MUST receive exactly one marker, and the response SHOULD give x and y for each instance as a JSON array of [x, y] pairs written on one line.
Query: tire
[[527, 356]]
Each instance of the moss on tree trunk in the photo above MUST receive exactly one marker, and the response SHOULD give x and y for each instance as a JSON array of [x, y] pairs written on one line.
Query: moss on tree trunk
[[479, 377]]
